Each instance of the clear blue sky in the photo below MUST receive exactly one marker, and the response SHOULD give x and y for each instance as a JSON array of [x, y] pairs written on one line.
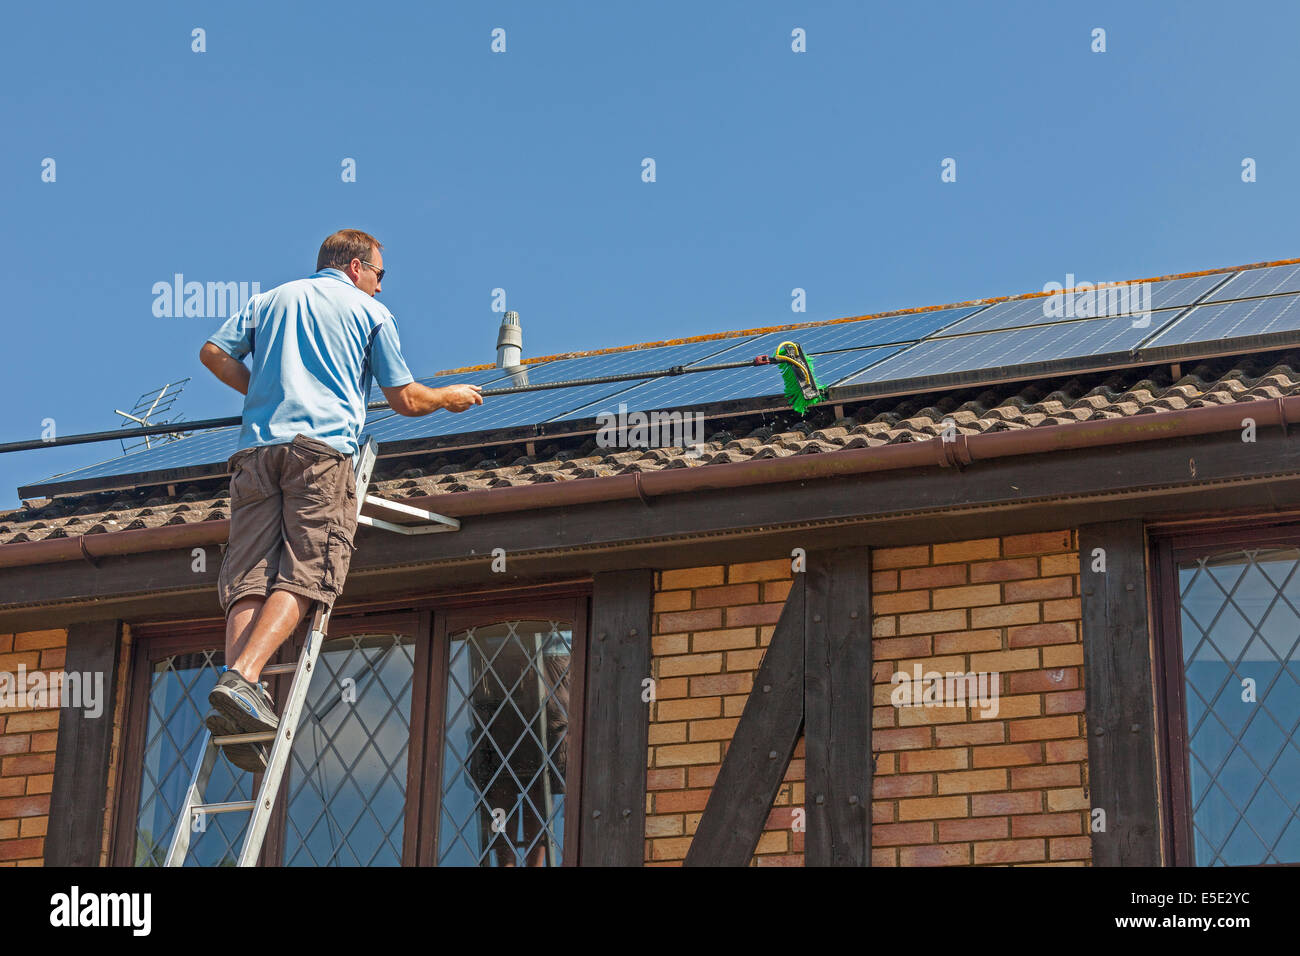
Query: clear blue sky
[[522, 170]]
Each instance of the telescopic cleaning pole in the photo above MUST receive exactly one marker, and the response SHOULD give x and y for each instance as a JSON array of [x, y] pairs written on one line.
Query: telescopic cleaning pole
[[801, 390]]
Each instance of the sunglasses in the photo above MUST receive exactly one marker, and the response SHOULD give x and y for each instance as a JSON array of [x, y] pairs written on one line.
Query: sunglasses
[[379, 273]]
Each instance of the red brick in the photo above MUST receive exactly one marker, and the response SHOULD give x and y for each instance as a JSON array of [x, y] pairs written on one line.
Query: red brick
[[932, 808], [21, 849], [752, 614], [1003, 570], [32, 720], [966, 551], [728, 594], [900, 602], [950, 855], [929, 622], [15, 744], [681, 801], [13, 786], [665, 779], [912, 785], [884, 857], [1004, 615], [1066, 609], [881, 581], [672, 601], [53, 658], [961, 735], [24, 807], [1070, 702], [702, 620], [1050, 775], [716, 685], [759, 571], [1010, 851], [980, 828], [972, 595], [32, 640], [724, 640], [1047, 824], [1041, 681], [966, 642], [776, 591], [1039, 589], [1035, 635], [905, 738], [909, 557], [991, 804], [945, 576], [921, 761], [1060, 751], [26, 764], [1042, 543], [1071, 848], [1007, 755], [6, 643], [1044, 728], [894, 648], [896, 834], [971, 781], [691, 578], [702, 776]]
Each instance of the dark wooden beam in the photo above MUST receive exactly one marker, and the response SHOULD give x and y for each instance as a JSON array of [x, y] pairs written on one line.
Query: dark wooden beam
[[81, 758], [760, 749], [616, 720], [1005, 496], [837, 708], [1120, 706]]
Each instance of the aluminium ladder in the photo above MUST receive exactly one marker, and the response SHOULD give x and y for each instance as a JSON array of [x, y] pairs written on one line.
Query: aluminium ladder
[[278, 762]]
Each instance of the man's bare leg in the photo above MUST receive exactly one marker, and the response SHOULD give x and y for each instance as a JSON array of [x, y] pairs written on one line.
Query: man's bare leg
[[239, 625], [278, 618]]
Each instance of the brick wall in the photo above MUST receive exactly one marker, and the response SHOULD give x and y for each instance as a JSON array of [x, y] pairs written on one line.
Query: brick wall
[[27, 742], [951, 787], [711, 626]]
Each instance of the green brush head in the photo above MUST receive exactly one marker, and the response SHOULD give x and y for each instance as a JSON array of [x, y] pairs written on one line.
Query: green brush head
[[801, 386]]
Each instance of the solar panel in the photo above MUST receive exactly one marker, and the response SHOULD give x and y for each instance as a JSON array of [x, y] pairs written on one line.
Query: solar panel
[[1023, 313], [1270, 281], [202, 448], [1010, 347], [850, 335], [728, 385], [1233, 320]]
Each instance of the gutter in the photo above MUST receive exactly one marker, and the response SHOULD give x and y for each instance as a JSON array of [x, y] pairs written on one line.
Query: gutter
[[965, 450]]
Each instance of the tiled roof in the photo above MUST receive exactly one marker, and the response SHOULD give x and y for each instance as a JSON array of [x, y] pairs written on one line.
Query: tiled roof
[[868, 424]]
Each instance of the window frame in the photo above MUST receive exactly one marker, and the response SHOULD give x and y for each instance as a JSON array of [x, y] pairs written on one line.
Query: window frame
[[1171, 546], [431, 623]]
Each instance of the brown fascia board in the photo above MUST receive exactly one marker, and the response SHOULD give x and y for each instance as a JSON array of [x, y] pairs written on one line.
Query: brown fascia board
[[964, 450]]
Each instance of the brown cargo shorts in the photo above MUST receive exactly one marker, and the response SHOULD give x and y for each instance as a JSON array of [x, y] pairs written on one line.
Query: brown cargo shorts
[[293, 515]]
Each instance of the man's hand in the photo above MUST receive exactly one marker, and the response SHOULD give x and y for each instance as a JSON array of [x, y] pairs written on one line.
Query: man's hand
[[414, 399], [457, 398], [225, 367]]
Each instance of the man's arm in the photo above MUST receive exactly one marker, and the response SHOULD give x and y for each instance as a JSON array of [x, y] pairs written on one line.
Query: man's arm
[[414, 399], [230, 370]]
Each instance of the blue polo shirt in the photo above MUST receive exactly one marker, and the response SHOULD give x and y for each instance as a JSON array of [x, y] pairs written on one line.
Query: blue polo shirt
[[315, 345]]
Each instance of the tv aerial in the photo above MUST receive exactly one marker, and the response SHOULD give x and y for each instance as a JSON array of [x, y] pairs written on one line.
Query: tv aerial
[[151, 408]]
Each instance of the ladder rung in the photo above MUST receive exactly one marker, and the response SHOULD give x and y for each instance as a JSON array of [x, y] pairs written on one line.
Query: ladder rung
[[403, 528], [231, 807], [256, 737], [280, 669], [398, 508]]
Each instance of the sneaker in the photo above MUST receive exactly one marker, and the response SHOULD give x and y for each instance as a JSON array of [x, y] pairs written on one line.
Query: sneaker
[[248, 706], [250, 757]]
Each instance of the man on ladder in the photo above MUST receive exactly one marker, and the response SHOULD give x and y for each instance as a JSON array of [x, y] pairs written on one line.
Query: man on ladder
[[315, 344]]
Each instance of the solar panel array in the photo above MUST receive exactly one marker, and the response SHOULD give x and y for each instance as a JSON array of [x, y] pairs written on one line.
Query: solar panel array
[[1191, 317]]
